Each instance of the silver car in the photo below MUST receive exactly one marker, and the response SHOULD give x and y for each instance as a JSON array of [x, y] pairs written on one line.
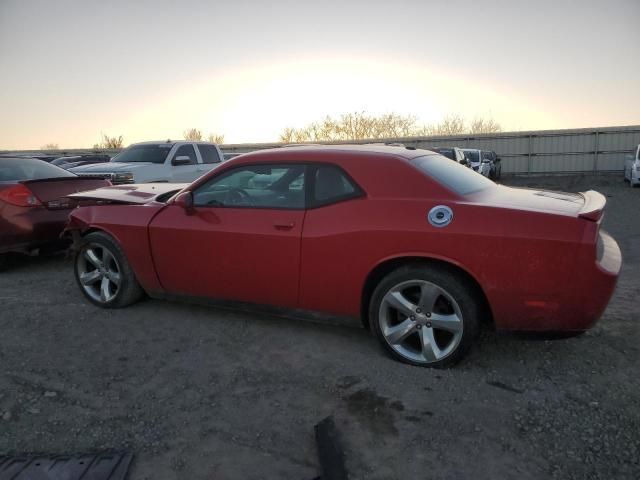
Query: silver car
[[632, 168]]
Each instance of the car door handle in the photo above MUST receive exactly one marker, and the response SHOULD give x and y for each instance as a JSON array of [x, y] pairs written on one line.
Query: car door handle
[[284, 226]]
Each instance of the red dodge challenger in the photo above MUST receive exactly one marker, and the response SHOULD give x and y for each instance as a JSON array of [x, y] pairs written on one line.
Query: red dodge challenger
[[422, 249]]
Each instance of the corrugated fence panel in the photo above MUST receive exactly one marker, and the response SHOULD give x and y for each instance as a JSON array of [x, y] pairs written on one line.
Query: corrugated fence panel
[[562, 163], [515, 164], [611, 161], [617, 141], [564, 143]]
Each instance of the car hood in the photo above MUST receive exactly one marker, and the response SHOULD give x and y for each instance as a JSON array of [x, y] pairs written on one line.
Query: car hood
[[109, 167], [562, 203], [128, 194]]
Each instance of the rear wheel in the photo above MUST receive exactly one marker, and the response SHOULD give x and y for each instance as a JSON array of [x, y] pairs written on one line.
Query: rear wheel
[[425, 316], [104, 274]]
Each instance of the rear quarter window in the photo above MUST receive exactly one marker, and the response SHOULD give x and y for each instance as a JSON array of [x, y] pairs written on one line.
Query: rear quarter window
[[452, 175], [17, 169]]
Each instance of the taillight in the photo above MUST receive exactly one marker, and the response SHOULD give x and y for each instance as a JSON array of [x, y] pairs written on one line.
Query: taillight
[[19, 196]]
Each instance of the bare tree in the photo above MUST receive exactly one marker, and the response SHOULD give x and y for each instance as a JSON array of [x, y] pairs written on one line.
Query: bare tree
[[452, 124], [109, 143], [50, 146], [484, 125], [193, 134], [352, 126], [360, 126], [214, 138]]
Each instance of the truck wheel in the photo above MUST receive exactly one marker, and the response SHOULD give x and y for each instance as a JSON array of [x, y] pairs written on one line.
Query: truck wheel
[[104, 274], [425, 316]]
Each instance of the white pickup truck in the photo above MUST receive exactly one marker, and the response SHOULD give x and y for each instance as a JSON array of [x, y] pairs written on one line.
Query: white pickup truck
[[632, 167], [147, 162]]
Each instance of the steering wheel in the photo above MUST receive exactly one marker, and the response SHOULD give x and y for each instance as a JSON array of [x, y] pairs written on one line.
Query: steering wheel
[[237, 196]]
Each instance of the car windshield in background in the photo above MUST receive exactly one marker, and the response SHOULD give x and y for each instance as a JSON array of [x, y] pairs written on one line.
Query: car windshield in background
[[447, 152], [452, 175], [17, 169], [144, 153], [472, 156]]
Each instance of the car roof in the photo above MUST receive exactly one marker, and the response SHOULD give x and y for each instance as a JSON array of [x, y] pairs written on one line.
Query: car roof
[[170, 142], [304, 152]]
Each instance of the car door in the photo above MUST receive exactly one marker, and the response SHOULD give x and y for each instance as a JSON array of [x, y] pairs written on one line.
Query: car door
[[184, 164], [241, 239], [326, 270]]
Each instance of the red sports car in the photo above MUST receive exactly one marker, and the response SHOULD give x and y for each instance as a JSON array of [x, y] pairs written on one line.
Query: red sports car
[[33, 207], [421, 248]]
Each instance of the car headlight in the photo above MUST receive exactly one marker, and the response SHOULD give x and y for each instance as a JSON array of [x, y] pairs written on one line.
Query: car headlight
[[123, 177]]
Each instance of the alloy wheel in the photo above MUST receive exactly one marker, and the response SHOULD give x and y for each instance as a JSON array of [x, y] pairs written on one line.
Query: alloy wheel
[[98, 273], [421, 321]]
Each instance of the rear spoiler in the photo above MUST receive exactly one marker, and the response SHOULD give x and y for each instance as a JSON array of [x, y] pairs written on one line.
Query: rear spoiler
[[593, 207]]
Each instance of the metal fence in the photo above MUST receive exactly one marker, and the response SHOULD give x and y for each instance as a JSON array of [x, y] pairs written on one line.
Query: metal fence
[[543, 151]]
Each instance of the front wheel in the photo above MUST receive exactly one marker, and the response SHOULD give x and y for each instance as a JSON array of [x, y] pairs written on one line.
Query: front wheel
[[104, 274], [425, 316]]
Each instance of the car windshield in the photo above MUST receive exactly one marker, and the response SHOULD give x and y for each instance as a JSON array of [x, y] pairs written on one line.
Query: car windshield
[[17, 169], [472, 155], [447, 152], [452, 175], [144, 153]]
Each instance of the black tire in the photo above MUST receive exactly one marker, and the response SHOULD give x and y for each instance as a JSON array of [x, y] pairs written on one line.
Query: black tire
[[3, 262], [457, 288], [128, 290]]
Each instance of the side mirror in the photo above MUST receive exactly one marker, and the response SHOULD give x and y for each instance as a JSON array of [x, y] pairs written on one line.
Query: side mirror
[[185, 200], [464, 161], [181, 160]]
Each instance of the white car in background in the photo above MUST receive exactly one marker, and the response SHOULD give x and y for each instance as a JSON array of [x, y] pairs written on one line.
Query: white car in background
[[148, 162], [477, 162], [632, 168]]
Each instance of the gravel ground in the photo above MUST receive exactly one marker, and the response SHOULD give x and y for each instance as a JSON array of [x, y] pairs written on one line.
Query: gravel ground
[[200, 392]]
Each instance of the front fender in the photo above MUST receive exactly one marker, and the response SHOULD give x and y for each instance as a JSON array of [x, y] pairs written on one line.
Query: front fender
[[128, 226]]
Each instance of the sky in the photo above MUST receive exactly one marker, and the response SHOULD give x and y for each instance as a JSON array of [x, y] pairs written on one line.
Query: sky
[[71, 70]]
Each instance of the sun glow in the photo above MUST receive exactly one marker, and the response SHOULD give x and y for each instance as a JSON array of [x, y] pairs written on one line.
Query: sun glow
[[255, 103]]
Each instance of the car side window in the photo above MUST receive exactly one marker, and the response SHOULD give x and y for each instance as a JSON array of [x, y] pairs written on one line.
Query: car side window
[[255, 186], [331, 184], [186, 151], [209, 154]]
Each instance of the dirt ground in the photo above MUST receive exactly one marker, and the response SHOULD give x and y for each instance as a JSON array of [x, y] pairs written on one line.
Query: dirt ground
[[200, 392]]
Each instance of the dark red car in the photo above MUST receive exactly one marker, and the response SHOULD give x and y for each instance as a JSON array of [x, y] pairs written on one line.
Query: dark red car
[[33, 207], [421, 248]]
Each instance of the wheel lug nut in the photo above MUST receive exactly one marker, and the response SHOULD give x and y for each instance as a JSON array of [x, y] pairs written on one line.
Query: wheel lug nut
[[428, 324], [428, 315], [412, 317], [419, 326], [418, 310]]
